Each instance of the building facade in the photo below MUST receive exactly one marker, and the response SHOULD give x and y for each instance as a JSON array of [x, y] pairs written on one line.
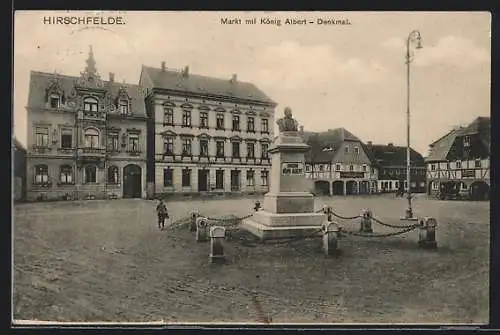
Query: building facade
[[461, 158], [19, 167], [339, 164], [86, 137], [206, 135], [391, 163]]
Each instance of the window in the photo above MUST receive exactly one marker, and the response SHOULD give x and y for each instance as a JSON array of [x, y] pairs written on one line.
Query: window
[[91, 138], [264, 176], [265, 125], [113, 175], [346, 149], [66, 139], [321, 168], [90, 105], [264, 147], [186, 178], [250, 150], [54, 101], [219, 179], [41, 174], [168, 177], [204, 148], [186, 147], [113, 142], [356, 150], [219, 149], [203, 120], [42, 137], [463, 186], [337, 167], [123, 107], [308, 168], [133, 142], [250, 178], [168, 116], [447, 165], [364, 168], [250, 124], [220, 121], [458, 164], [90, 174], [351, 167], [466, 141], [406, 184], [168, 146], [477, 163], [390, 185], [433, 167], [396, 184], [236, 149], [186, 118], [236, 122], [66, 174], [435, 185]]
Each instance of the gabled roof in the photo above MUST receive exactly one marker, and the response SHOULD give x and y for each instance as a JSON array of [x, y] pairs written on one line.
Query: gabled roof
[[40, 81], [193, 83], [440, 148], [325, 145], [394, 155]]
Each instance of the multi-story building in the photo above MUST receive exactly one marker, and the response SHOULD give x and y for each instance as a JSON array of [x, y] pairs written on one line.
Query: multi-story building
[[391, 163], [206, 135], [339, 163], [19, 167], [462, 157], [86, 137]]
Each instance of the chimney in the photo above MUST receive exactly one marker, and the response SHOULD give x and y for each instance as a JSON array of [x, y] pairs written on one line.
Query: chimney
[[185, 72], [111, 77], [163, 66], [234, 78], [369, 143]]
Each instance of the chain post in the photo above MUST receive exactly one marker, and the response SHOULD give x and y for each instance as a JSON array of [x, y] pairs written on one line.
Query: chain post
[[192, 223], [427, 236], [366, 221], [217, 235], [202, 225]]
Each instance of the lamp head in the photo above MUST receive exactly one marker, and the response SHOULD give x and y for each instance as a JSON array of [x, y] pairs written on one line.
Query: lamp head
[[419, 43]]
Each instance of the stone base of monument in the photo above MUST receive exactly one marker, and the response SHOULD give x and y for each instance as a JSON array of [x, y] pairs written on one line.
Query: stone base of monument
[[270, 226]]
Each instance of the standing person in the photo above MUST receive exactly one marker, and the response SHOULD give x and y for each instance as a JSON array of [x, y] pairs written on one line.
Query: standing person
[[162, 212]]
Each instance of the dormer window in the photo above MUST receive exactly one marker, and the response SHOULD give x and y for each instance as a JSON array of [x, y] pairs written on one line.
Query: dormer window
[[123, 107], [90, 105], [54, 101], [466, 141]]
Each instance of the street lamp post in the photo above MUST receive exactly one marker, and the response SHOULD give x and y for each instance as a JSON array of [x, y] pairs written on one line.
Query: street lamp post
[[413, 37]]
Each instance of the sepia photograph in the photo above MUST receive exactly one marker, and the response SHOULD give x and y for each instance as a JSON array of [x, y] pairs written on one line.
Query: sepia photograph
[[251, 168]]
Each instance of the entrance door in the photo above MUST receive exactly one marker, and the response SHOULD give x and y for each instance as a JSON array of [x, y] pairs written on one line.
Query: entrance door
[[132, 177], [203, 180], [235, 180]]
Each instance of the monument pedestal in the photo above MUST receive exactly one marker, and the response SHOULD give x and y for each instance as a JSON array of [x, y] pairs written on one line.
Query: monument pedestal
[[288, 209]]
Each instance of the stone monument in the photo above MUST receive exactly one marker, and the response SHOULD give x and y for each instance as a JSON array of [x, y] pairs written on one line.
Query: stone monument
[[288, 208]]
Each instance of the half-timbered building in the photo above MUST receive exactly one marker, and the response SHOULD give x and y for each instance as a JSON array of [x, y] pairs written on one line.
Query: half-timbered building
[[461, 158], [86, 137], [206, 135], [391, 162], [339, 163]]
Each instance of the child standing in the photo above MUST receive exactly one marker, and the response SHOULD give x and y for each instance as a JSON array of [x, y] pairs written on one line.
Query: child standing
[[162, 212]]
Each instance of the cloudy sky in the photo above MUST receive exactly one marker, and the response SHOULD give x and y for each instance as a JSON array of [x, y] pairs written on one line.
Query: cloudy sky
[[350, 76]]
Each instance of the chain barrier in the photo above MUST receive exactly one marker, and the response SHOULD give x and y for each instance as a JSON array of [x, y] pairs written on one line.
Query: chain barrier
[[344, 217], [414, 225], [377, 235]]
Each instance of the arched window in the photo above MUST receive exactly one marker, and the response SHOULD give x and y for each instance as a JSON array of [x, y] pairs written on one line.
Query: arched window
[[41, 174], [90, 174], [91, 138], [66, 174], [113, 175], [90, 104], [123, 107]]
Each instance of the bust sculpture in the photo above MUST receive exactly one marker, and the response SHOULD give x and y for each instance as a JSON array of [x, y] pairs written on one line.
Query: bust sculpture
[[287, 123]]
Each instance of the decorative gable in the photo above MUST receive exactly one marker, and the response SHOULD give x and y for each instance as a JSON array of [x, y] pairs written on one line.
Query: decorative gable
[[55, 89]]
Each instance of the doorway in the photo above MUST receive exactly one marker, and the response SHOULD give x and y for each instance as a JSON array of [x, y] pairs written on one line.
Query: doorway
[[132, 176], [235, 180], [203, 178]]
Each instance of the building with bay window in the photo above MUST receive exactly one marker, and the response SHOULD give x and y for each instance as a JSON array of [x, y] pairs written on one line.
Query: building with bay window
[[205, 135], [86, 137]]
